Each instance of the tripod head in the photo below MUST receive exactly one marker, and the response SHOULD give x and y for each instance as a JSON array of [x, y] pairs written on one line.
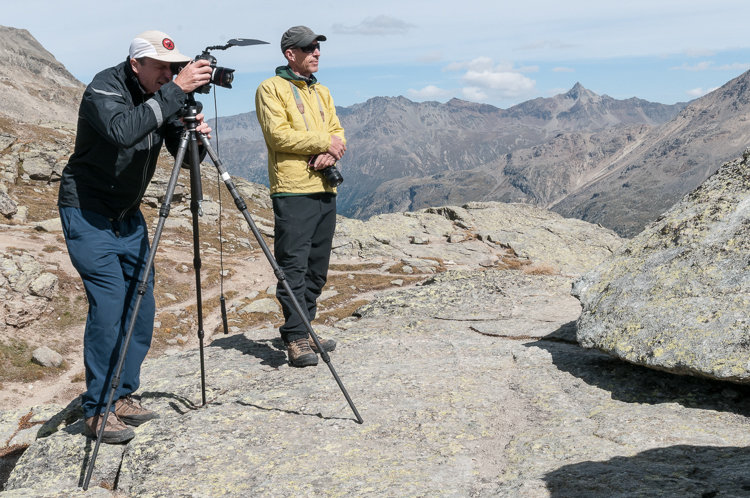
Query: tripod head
[[190, 109]]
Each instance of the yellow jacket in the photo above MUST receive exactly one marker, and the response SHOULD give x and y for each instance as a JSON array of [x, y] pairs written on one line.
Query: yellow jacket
[[289, 143]]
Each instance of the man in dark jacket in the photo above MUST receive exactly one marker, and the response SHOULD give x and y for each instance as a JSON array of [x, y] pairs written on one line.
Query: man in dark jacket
[[126, 113]]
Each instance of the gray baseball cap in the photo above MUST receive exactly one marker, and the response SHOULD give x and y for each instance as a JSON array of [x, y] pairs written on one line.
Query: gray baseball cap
[[299, 36]]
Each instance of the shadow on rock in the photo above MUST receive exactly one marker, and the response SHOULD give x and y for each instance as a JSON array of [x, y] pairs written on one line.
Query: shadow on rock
[[186, 403], [637, 384], [675, 471], [87, 449], [62, 419], [290, 412], [271, 352]]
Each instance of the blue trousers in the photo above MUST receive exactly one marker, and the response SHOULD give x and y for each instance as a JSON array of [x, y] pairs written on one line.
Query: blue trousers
[[303, 235], [110, 256]]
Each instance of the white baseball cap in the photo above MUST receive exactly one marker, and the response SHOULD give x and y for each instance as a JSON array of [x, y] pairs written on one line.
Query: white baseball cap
[[156, 45]]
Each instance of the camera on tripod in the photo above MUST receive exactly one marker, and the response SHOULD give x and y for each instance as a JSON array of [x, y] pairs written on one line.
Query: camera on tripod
[[221, 76]]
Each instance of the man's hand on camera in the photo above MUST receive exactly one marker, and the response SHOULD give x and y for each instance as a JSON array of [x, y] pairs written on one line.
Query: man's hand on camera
[[337, 148], [323, 161], [194, 75]]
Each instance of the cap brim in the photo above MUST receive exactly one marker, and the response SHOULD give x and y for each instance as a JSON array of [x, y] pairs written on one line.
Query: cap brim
[[170, 57], [309, 39]]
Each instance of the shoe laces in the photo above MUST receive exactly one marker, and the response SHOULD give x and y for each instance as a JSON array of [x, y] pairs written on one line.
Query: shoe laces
[[302, 344], [130, 401], [113, 421]]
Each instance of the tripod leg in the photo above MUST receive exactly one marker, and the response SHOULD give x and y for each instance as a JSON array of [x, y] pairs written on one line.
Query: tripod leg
[[242, 206], [196, 198], [141, 291]]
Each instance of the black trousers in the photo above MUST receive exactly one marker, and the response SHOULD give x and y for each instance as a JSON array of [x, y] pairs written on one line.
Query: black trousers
[[303, 234]]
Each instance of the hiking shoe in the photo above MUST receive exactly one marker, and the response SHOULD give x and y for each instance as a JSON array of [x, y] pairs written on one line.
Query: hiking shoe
[[114, 432], [131, 412], [300, 354], [328, 344]]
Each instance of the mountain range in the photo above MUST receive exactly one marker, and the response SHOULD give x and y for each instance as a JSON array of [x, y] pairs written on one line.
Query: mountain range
[[404, 155]]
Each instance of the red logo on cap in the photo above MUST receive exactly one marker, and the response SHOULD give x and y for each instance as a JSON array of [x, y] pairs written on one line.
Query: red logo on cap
[[168, 44]]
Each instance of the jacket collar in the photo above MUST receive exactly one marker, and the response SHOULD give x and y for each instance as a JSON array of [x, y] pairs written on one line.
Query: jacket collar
[[287, 73], [131, 80]]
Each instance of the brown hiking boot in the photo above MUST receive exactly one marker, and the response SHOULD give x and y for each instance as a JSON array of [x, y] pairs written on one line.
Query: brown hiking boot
[[300, 354], [114, 432], [328, 344], [131, 412]]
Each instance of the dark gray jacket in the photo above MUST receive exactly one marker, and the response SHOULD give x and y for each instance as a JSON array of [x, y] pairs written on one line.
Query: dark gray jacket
[[120, 134]]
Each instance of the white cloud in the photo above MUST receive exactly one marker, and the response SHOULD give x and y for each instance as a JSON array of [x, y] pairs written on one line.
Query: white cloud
[[505, 84], [563, 70], [709, 65], [430, 92], [502, 83], [737, 66], [484, 79], [380, 25], [434, 56], [701, 66], [473, 94], [700, 92], [477, 64], [699, 52]]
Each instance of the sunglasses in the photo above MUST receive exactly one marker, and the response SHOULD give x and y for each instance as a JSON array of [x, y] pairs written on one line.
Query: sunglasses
[[310, 48]]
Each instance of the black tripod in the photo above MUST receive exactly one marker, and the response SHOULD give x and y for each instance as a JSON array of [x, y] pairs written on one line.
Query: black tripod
[[189, 141]]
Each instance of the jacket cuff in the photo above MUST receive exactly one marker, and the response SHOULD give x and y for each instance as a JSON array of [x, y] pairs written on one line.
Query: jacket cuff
[[167, 101]]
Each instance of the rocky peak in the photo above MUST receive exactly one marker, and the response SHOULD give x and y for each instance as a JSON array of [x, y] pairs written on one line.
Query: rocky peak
[[579, 92], [19, 49], [36, 87]]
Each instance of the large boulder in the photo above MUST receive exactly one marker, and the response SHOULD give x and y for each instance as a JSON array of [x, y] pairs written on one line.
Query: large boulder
[[677, 297]]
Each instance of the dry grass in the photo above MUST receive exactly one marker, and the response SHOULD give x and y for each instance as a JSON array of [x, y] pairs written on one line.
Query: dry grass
[[16, 364], [79, 377], [512, 263], [42, 205], [398, 269], [540, 269], [354, 267], [329, 317], [27, 132], [362, 282], [70, 305]]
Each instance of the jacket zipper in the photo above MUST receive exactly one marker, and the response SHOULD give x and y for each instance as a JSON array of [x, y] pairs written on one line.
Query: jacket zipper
[[143, 181]]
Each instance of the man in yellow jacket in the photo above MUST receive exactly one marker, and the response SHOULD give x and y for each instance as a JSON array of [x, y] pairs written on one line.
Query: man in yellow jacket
[[304, 140]]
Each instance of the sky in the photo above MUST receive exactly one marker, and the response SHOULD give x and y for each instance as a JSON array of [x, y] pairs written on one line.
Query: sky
[[495, 52]]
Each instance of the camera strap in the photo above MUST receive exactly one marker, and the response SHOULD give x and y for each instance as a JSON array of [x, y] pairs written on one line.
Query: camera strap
[[301, 105]]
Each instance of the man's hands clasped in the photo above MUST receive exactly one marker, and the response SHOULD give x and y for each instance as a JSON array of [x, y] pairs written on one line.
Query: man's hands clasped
[[335, 153]]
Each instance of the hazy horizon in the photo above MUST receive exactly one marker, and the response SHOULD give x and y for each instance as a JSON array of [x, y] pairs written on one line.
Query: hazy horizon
[[502, 55]]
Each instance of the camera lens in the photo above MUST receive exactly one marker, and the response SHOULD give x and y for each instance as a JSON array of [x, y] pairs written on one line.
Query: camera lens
[[223, 76], [333, 176]]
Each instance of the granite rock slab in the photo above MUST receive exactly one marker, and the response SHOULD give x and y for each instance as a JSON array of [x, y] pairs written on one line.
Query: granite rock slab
[[677, 296]]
